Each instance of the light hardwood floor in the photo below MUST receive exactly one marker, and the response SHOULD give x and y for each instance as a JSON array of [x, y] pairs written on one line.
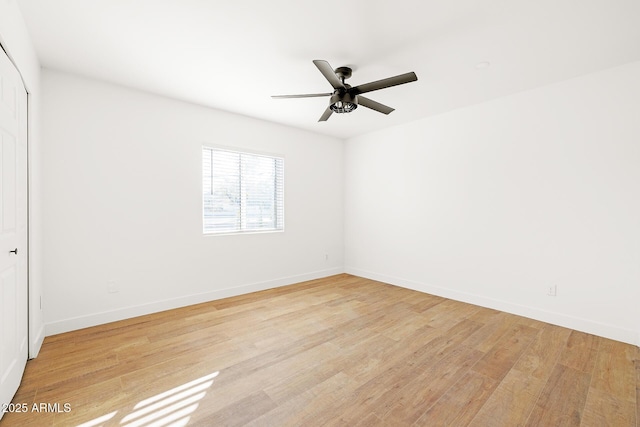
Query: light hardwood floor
[[337, 351]]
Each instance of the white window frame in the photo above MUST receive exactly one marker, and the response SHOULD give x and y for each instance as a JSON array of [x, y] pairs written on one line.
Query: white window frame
[[279, 197]]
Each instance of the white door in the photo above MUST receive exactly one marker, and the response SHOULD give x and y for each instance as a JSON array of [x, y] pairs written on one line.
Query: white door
[[13, 229]]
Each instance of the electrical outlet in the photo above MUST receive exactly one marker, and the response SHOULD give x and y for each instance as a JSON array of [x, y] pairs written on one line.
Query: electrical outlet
[[326, 257], [552, 291], [112, 288]]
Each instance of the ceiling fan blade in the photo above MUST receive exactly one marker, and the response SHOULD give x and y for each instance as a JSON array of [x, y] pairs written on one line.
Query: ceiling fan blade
[[308, 95], [370, 103], [384, 83], [326, 114], [328, 73]]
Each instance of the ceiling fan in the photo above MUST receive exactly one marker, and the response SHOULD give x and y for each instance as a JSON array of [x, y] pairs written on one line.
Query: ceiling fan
[[344, 98]]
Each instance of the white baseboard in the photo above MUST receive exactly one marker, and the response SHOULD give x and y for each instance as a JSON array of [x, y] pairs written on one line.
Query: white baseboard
[[36, 343], [580, 324], [80, 322]]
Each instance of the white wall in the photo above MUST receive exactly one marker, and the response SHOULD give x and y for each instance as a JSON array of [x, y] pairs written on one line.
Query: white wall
[[123, 203], [16, 41], [493, 203]]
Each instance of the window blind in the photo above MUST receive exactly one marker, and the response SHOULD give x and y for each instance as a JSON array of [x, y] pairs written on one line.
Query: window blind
[[241, 191]]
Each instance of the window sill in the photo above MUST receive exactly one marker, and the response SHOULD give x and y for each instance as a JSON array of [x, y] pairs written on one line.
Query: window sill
[[236, 233]]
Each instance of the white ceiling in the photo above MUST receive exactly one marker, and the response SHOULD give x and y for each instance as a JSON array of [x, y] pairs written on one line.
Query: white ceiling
[[234, 55]]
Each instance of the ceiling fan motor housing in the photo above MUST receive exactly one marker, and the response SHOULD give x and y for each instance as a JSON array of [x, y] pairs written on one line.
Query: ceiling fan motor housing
[[343, 102]]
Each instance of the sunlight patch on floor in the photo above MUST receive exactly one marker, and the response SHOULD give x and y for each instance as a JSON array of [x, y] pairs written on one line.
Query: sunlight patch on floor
[[170, 408], [98, 421]]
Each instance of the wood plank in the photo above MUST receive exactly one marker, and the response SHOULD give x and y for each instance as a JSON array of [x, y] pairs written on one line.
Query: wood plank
[[540, 358], [501, 358], [417, 396], [371, 420], [382, 353], [615, 370], [448, 312], [460, 404], [562, 400], [238, 413], [581, 351], [605, 410], [28, 419], [314, 406], [485, 315], [514, 398], [423, 302], [88, 402], [511, 402], [490, 333], [296, 375]]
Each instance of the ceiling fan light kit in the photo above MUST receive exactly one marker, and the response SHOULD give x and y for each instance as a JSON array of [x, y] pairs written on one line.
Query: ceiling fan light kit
[[344, 98], [343, 103]]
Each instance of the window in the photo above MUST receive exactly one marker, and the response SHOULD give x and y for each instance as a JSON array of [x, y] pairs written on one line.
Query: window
[[241, 191]]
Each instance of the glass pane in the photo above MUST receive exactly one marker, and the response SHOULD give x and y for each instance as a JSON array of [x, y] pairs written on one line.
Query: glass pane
[[222, 203], [259, 192]]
